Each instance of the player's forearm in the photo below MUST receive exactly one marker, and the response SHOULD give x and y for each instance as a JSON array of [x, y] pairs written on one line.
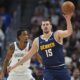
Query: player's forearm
[[5, 64], [69, 27], [38, 58]]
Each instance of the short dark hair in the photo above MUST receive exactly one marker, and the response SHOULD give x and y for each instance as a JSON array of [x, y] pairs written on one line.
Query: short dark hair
[[47, 19], [19, 32]]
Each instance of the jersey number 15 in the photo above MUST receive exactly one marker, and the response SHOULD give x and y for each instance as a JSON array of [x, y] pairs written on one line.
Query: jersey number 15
[[49, 52]]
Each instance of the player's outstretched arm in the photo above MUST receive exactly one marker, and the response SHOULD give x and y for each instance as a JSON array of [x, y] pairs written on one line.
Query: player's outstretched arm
[[29, 54], [69, 30]]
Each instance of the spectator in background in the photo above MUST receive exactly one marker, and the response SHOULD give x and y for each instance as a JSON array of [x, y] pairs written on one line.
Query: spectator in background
[[38, 73], [68, 60], [72, 44], [40, 12], [74, 60], [6, 17], [76, 74], [2, 37], [38, 15], [54, 17], [56, 5]]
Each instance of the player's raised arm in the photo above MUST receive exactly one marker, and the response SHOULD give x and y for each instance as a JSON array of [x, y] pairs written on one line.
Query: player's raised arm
[[30, 53], [69, 30]]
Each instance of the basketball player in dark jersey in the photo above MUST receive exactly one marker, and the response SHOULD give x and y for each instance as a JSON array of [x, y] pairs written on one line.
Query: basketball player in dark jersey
[[49, 45]]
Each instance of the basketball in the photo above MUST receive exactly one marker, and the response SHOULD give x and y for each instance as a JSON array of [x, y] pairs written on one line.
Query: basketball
[[67, 7]]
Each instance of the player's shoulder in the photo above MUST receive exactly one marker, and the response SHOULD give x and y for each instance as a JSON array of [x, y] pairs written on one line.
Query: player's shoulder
[[11, 46], [36, 39], [58, 32]]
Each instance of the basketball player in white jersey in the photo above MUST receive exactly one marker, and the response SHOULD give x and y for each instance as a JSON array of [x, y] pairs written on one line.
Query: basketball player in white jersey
[[15, 52]]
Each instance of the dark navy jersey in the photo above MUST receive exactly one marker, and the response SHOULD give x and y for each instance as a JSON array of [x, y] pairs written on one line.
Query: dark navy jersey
[[51, 51]]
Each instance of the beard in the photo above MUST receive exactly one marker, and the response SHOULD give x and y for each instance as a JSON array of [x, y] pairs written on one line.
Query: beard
[[46, 30]]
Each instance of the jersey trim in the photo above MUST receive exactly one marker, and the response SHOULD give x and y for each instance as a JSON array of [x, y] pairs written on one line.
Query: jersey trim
[[27, 46]]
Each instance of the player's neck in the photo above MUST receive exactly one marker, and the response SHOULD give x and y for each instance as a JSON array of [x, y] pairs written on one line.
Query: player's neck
[[47, 35], [21, 44]]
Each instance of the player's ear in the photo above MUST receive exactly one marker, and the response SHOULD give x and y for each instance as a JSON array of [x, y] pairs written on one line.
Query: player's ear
[[51, 26]]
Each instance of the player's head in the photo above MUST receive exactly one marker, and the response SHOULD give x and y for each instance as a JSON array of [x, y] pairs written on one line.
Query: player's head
[[46, 25], [22, 35]]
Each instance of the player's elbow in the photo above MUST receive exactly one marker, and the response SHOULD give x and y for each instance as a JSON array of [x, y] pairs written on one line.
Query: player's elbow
[[70, 33]]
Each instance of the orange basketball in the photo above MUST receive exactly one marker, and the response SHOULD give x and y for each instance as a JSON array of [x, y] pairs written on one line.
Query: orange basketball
[[67, 7]]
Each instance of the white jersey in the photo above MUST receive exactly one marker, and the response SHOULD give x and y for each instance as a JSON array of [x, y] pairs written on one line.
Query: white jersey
[[17, 55]]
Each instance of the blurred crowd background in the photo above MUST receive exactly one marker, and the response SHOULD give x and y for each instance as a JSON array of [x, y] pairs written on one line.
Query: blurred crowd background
[[28, 14]]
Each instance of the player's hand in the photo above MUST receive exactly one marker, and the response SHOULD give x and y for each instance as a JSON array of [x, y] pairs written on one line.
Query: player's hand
[[1, 75], [9, 68], [68, 16]]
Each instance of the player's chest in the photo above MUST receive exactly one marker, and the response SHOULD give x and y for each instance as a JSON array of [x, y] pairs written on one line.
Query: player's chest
[[46, 44], [19, 53]]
